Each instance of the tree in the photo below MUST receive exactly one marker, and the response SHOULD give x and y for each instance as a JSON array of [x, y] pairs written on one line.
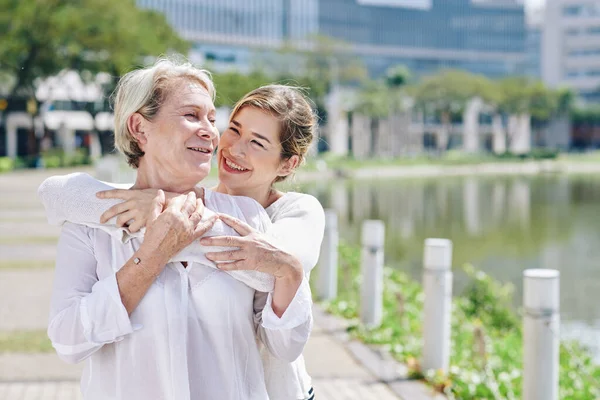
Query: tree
[[232, 85], [41, 38], [319, 63], [380, 98], [397, 76], [446, 94]]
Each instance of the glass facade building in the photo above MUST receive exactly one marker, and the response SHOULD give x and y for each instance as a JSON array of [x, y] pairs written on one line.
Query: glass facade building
[[482, 36]]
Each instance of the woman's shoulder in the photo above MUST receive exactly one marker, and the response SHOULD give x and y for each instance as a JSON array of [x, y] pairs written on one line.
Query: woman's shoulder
[[293, 202]]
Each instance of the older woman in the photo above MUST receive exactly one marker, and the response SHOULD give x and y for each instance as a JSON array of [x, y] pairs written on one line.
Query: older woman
[[152, 327]]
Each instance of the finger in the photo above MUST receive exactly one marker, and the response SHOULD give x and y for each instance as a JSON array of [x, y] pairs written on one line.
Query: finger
[[122, 194], [116, 210], [125, 217], [223, 241], [233, 266], [157, 205], [189, 205], [230, 255], [196, 216], [239, 226], [136, 225], [205, 226], [177, 202]]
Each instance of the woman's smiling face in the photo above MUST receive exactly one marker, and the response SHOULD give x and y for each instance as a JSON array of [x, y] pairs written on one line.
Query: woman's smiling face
[[181, 138], [249, 153]]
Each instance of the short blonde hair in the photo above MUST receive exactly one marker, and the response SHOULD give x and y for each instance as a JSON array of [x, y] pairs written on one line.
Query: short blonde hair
[[293, 110], [144, 91]]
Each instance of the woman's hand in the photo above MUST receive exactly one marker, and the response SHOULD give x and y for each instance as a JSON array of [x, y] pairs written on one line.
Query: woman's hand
[[137, 208], [254, 252], [170, 231]]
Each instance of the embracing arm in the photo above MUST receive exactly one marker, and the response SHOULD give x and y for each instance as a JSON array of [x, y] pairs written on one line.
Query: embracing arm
[[298, 228], [73, 198], [284, 335], [88, 312]]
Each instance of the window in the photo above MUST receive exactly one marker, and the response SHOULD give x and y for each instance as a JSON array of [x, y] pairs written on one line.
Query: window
[[572, 32], [594, 30], [572, 11], [584, 52]]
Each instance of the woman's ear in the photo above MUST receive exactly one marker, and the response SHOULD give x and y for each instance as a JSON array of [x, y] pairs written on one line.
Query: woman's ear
[[288, 166], [135, 124]]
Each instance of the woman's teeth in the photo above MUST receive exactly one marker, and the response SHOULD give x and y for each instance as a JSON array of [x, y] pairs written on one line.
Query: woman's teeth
[[233, 165], [200, 149]]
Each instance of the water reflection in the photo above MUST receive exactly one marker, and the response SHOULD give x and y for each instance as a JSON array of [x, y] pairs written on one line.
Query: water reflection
[[502, 225]]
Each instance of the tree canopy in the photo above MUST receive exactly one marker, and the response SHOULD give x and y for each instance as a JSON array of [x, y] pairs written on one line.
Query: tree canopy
[[40, 38]]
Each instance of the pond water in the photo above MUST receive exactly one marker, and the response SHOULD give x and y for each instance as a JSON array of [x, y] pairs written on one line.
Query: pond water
[[501, 225]]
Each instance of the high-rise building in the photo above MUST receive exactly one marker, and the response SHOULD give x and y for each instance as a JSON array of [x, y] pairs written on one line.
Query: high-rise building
[[482, 36], [571, 46]]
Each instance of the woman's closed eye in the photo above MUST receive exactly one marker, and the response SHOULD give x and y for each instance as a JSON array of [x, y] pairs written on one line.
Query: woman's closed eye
[[191, 116], [234, 130], [258, 143]]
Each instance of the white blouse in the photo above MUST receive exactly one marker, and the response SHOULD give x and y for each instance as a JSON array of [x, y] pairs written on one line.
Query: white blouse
[[193, 336], [298, 225]]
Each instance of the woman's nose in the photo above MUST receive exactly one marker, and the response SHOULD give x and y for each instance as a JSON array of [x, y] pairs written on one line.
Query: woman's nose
[[208, 132], [237, 149]]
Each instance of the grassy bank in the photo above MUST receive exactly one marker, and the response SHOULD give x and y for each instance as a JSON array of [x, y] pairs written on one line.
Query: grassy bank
[[486, 355], [25, 342], [450, 158]]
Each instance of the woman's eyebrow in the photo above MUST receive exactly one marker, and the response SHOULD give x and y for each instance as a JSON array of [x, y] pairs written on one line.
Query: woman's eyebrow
[[198, 107], [258, 135]]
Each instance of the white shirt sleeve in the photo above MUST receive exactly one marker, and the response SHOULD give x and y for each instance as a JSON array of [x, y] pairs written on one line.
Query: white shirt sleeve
[[298, 228], [73, 198], [85, 312], [284, 337]]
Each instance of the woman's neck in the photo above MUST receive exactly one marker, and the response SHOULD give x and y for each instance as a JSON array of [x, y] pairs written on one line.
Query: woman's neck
[[147, 180], [264, 196]]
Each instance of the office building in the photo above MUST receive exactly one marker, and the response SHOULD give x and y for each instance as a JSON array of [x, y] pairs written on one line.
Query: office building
[[482, 36], [571, 46]]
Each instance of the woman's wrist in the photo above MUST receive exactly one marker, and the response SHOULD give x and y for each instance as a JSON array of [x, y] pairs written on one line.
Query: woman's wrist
[[290, 270], [151, 259]]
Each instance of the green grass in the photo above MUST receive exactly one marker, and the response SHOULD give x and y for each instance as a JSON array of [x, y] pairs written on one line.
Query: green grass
[[451, 157], [592, 156], [26, 264], [486, 352], [25, 342], [28, 239]]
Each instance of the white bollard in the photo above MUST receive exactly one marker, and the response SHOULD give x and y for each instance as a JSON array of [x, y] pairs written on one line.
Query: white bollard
[[371, 290], [328, 262], [540, 334], [437, 285]]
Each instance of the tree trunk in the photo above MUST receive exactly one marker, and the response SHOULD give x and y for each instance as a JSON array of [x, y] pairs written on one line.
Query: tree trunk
[[443, 137]]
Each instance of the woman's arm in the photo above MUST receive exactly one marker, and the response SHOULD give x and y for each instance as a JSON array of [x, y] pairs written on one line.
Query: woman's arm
[[86, 312], [285, 336], [289, 249], [73, 198], [298, 228]]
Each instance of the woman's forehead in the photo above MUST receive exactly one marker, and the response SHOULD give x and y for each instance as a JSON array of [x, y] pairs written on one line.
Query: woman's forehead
[[190, 93]]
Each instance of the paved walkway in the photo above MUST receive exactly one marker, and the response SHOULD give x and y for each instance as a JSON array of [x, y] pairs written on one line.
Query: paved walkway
[[336, 375], [341, 369]]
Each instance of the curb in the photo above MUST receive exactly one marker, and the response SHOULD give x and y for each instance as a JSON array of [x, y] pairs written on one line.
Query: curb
[[377, 361]]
